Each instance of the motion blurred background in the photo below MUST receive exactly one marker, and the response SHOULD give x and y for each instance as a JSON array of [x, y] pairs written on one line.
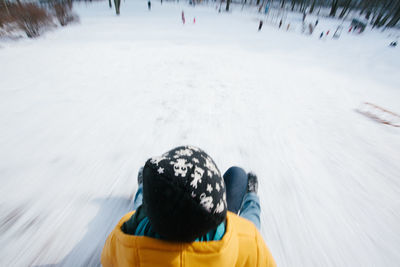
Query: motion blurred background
[[86, 96]]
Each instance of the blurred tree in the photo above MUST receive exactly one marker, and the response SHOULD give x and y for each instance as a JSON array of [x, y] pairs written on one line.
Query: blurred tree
[[117, 4], [345, 8], [6, 8], [382, 14], [334, 8], [396, 16], [312, 6], [379, 12], [302, 5]]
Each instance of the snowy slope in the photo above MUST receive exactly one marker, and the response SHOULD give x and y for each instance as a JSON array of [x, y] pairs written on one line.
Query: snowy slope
[[83, 107]]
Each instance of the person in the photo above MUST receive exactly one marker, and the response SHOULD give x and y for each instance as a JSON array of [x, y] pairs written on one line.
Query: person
[[266, 8], [149, 5], [183, 17], [187, 214], [260, 25]]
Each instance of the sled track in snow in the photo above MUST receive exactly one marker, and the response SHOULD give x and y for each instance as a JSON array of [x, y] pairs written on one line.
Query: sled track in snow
[[380, 114]]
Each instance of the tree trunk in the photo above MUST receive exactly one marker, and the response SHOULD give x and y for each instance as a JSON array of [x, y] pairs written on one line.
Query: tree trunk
[[345, 8], [117, 4], [393, 21], [383, 21], [365, 5], [282, 3], [373, 7], [377, 20], [301, 5], [227, 4], [312, 7], [396, 17], [362, 7], [368, 14], [334, 8], [384, 13], [305, 5]]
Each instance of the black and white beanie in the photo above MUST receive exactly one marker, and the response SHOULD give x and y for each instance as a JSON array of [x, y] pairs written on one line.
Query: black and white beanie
[[183, 194]]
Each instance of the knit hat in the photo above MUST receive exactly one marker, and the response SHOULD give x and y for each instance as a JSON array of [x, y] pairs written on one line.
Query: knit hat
[[183, 194]]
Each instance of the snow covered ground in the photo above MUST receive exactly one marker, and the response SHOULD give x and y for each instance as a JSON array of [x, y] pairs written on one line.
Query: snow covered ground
[[83, 107]]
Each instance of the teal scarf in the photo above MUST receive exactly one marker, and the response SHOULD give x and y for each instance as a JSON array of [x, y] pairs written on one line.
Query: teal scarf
[[139, 225]]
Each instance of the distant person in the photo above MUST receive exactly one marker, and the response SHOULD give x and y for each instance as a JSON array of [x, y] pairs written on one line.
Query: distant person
[[310, 29], [316, 22], [280, 24], [194, 20], [260, 25], [185, 214], [393, 44], [321, 35], [288, 26], [183, 17], [266, 8], [149, 5], [327, 33]]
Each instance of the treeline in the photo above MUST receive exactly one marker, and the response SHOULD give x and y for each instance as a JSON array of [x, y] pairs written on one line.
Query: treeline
[[34, 17], [378, 12]]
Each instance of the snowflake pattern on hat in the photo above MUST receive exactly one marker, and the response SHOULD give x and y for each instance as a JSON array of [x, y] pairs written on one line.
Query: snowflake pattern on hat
[[197, 172]]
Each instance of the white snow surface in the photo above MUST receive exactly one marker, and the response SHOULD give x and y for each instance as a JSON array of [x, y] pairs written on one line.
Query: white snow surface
[[84, 106]]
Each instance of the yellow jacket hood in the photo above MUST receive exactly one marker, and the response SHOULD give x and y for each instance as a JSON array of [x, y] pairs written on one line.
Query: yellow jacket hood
[[242, 245]]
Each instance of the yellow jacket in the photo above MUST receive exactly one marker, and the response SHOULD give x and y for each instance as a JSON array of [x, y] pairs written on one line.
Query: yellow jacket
[[242, 245]]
